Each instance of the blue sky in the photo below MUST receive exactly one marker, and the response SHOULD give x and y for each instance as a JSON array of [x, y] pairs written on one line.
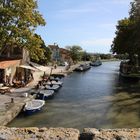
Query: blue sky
[[88, 23]]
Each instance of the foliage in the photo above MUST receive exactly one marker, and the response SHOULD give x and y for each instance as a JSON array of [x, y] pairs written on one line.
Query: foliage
[[18, 21], [86, 56], [105, 56], [75, 52], [128, 33], [45, 57]]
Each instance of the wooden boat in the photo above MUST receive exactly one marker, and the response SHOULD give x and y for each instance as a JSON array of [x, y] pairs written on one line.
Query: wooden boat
[[45, 94], [52, 87], [96, 63], [83, 67], [129, 72], [33, 106]]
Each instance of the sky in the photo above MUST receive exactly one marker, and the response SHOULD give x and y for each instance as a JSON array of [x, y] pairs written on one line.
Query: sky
[[90, 24]]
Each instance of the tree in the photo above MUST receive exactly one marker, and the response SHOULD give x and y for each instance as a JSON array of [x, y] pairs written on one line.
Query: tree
[[75, 52], [18, 21], [86, 56], [128, 33], [43, 55]]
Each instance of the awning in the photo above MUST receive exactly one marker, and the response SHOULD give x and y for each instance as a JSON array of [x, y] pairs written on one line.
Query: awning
[[26, 66], [7, 63], [40, 67]]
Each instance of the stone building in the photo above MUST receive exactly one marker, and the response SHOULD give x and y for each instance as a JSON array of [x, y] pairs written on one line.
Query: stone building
[[65, 56], [55, 52], [14, 65]]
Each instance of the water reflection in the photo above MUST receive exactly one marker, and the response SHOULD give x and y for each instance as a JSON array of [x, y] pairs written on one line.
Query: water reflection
[[96, 98]]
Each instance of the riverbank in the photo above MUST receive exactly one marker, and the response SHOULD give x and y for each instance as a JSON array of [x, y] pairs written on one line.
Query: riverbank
[[68, 134], [107, 60], [9, 109], [11, 105]]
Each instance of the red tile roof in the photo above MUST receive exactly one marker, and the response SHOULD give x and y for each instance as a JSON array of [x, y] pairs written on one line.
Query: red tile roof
[[7, 63]]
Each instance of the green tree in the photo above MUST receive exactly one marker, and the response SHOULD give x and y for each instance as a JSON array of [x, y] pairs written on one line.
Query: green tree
[[75, 52], [128, 33], [18, 21], [43, 55], [86, 56]]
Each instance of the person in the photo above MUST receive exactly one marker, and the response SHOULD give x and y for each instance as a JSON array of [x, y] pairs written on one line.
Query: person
[[55, 66], [32, 76], [22, 81], [12, 100], [7, 80]]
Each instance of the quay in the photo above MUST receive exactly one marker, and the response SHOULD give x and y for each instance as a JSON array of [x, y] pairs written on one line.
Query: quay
[[9, 110], [11, 105]]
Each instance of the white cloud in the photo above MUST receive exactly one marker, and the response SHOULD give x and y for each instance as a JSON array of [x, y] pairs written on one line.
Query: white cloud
[[97, 42]]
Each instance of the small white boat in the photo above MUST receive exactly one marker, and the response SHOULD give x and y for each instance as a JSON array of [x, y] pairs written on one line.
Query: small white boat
[[96, 63], [54, 83], [52, 87], [33, 106], [45, 94], [83, 67]]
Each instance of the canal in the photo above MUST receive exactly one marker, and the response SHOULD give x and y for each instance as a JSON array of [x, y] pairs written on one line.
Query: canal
[[95, 98]]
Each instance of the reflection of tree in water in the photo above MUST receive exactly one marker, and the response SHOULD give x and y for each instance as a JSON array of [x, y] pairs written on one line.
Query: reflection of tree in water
[[124, 109], [127, 85]]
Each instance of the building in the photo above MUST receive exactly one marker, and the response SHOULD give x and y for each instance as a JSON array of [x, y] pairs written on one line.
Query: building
[[14, 65], [65, 56], [55, 52]]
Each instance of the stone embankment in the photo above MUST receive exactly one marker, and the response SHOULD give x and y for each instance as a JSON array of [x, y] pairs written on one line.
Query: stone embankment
[[9, 110], [68, 134]]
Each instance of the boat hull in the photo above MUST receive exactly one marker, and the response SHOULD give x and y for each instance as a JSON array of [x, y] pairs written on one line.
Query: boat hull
[[54, 87], [31, 112], [95, 64], [129, 77], [83, 68], [42, 96], [33, 106]]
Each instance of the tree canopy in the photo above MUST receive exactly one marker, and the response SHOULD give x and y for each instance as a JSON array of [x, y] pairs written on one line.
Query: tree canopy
[[18, 21], [43, 54], [75, 52], [128, 33]]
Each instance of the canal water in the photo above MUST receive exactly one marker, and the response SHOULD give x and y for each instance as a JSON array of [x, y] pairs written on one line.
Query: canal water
[[95, 98]]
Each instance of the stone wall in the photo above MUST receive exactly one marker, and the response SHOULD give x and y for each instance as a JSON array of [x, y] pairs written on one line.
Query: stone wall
[[34, 133]]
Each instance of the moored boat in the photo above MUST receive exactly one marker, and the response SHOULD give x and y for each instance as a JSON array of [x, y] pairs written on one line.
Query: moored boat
[[59, 83], [45, 94], [96, 63], [83, 67], [33, 106], [129, 72], [52, 87]]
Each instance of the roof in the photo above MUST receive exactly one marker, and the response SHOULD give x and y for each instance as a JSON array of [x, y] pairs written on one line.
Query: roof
[[64, 50], [27, 66], [7, 63], [40, 67]]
